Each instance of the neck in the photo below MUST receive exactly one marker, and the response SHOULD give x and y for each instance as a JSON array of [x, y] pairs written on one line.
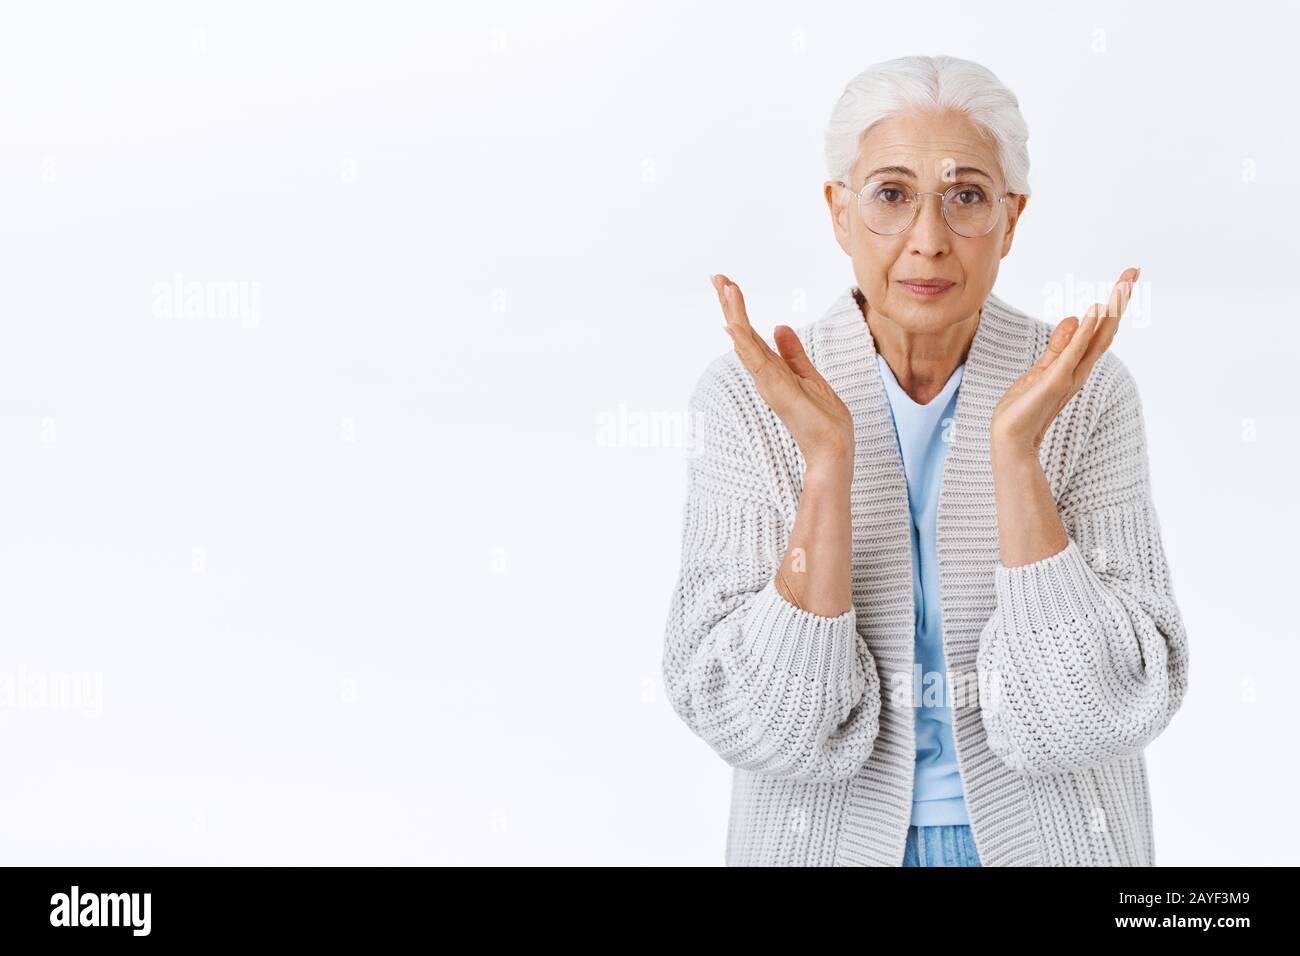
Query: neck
[[923, 362]]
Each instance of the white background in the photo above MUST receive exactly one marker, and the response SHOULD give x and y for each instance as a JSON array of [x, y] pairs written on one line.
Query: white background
[[363, 578]]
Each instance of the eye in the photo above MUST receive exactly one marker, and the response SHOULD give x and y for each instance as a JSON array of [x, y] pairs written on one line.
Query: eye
[[892, 194], [970, 196]]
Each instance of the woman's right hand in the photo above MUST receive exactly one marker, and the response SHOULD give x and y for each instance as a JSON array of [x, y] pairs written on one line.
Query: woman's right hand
[[810, 409]]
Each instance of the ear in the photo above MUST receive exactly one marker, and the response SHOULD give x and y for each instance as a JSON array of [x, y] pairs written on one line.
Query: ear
[[1014, 209], [840, 211]]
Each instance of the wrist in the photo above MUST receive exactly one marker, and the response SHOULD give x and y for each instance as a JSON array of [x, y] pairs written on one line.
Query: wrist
[[833, 470], [1010, 451]]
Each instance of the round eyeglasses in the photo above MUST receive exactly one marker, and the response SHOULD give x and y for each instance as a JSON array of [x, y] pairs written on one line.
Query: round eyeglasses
[[888, 208]]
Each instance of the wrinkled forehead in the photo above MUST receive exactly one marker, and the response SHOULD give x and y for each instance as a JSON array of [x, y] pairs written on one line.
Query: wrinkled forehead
[[927, 150]]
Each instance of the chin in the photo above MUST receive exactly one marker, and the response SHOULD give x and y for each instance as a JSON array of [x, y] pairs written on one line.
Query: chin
[[930, 316]]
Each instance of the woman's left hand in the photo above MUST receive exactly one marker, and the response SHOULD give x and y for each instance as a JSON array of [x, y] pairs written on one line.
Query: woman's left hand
[[1024, 413]]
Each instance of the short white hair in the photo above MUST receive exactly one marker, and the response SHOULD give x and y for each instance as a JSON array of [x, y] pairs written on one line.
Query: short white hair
[[929, 82]]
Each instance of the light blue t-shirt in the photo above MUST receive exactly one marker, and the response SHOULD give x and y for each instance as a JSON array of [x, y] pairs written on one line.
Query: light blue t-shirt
[[937, 797]]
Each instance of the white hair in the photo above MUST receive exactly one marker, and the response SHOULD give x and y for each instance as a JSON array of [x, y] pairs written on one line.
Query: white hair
[[929, 82]]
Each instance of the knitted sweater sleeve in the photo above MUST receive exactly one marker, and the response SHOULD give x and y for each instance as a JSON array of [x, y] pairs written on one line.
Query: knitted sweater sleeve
[[772, 688], [1085, 657]]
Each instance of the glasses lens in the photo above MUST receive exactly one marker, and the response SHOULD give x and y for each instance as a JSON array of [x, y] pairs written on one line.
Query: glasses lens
[[970, 209], [887, 207]]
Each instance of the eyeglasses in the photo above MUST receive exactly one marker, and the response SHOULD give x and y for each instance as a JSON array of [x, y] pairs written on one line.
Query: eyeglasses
[[889, 208]]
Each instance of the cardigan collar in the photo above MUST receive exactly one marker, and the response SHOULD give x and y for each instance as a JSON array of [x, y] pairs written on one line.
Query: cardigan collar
[[999, 353], [1005, 344], [843, 349]]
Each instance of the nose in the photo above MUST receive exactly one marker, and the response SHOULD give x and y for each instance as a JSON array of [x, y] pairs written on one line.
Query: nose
[[929, 233]]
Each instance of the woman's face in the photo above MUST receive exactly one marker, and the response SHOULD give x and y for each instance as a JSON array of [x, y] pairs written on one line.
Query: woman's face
[[938, 149]]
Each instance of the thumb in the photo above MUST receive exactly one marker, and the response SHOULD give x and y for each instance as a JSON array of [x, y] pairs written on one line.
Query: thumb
[[791, 349]]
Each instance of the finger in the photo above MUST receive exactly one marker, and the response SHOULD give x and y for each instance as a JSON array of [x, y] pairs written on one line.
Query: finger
[[1119, 299], [733, 305], [752, 347], [716, 282], [720, 282], [751, 352], [773, 377], [1073, 352], [1056, 343], [787, 340]]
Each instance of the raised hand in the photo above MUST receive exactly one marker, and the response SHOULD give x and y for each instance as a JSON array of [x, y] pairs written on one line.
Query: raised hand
[[814, 414], [1029, 406]]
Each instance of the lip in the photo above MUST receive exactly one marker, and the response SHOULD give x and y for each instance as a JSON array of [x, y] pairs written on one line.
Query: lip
[[926, 286]]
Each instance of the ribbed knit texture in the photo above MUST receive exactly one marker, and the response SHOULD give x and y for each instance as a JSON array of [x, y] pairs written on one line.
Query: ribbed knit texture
[[1083, 654]]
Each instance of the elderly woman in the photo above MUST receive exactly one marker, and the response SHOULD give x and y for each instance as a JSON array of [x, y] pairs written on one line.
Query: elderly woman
[[923, 608]]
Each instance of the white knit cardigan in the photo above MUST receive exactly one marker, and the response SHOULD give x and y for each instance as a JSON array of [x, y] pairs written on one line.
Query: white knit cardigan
[[1083, 653]]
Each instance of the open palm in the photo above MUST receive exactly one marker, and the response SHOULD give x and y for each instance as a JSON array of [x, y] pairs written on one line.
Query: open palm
[[810, 409], [1029, 406]]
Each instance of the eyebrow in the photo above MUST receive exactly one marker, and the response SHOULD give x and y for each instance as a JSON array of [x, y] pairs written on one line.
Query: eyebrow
[[904, 171]]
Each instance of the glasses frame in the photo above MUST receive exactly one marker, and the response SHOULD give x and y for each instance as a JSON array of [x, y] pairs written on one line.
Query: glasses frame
[[916, 207]]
